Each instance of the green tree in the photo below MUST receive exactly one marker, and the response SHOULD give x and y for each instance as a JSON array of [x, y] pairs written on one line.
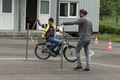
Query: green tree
[[109, 7], [110, 11]]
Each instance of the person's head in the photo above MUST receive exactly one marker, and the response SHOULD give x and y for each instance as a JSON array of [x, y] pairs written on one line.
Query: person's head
[[83, 13], [51, 21]]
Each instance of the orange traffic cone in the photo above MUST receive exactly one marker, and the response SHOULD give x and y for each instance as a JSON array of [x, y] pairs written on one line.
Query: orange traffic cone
[[109, 47], [96, 41]]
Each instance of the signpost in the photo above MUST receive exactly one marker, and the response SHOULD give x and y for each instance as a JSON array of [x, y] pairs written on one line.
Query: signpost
[[61, 65], [27, 38]]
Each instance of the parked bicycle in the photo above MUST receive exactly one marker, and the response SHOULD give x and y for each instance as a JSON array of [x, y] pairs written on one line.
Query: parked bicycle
[[65, 48]]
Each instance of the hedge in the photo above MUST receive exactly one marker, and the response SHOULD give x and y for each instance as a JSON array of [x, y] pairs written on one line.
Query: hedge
[[106, 27]]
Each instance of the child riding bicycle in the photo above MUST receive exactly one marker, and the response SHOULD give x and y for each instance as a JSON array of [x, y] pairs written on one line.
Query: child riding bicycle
[[49, 35]]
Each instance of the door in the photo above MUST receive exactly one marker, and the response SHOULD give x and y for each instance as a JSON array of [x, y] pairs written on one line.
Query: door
[[44, 8], [22, 14], [31, 13]]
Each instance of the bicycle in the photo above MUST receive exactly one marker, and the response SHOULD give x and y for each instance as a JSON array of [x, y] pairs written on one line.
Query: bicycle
[[68, 50]]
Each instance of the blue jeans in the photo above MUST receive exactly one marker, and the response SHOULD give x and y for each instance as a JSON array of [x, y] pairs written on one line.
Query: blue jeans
[[85, 44], [55, 43]]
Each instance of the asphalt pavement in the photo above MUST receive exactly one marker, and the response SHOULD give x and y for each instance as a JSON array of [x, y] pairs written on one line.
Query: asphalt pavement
[[105, 65]]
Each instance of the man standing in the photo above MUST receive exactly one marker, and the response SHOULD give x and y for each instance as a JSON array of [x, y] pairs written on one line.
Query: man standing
[[85, 32]]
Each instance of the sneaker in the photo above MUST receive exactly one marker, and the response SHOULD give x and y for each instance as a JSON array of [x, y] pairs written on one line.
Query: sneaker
[[52, 53], [86, 69], [78, 67]]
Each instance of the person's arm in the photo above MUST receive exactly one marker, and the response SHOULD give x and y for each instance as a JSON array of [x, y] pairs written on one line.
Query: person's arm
[[74, 22], [39, 22], [42, 25]]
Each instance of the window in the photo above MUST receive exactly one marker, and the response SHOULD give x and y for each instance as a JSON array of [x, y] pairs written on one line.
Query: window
[[68, 9], [44, 7], [73, 9], [64, 9], [7, 6]]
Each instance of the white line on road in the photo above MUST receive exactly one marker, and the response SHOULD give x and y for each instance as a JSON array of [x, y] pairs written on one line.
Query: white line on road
[[100, 64], [18, 59], [108, 65], [57, 58], [92, 53]]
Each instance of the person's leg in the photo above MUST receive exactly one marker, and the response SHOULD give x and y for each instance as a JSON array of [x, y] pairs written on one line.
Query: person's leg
[[78, 49], [87, 53], [56, 42]]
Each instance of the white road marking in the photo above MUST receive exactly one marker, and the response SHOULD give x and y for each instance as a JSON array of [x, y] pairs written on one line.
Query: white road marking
[[100, 64], [18, 58], [92, 53], [58, 58], [108, 65]]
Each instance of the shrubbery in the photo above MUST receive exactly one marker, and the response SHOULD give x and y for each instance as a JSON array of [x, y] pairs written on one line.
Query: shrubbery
[[107, 27]]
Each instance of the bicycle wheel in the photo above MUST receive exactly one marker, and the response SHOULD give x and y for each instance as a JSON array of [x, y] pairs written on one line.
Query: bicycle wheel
[[69, 53], [41, 51]]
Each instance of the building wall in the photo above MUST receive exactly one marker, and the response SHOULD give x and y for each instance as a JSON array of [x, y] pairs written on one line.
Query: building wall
[[70, 28], [69, 0], [92, 6], [0, 13], [7, 19], [53, 9], [16, 15]]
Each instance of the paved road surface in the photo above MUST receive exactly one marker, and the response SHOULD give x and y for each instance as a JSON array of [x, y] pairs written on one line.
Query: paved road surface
[[105, 65]]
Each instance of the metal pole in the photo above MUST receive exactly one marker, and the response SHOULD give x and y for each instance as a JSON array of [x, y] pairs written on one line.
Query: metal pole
[[61, 64], [19, 16], [27, 38]]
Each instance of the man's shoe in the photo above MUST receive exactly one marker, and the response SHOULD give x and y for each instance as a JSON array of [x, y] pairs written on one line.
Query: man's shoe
[[86, 69], [78, 67]]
